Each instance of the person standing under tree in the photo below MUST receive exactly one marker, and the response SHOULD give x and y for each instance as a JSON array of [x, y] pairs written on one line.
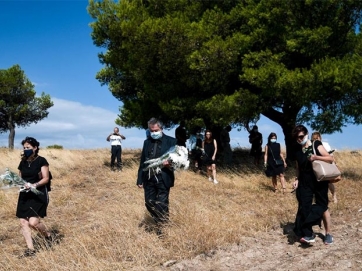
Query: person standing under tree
[[116, 148], [181, 134], [256, 141], [225, 144], [210, 147], [156, 184], [195, 147]]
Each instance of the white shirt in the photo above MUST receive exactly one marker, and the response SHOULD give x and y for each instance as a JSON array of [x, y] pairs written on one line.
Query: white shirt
[[327, 146], [115, 140], [193, 139]]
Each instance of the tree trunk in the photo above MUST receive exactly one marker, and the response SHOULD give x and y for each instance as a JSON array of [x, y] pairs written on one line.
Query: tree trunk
[[286, 120], [11, 135], [290, 143]]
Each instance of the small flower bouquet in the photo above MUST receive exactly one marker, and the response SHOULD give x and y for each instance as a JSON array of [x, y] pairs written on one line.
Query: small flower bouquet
[[10, 179], [177, 156]]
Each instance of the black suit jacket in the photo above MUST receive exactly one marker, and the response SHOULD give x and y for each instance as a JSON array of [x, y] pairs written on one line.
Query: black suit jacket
[[168, 176]]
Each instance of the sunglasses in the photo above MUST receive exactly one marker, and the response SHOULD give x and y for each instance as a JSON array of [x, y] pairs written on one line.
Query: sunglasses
[[301, 137]]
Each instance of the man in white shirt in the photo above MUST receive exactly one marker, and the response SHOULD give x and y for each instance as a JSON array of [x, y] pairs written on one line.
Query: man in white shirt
[[116, 148]]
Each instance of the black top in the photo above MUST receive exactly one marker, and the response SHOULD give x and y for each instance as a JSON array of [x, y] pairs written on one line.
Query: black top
[[181, 136], [255, 139], [273, 152], [209, 149], [273, 169], [302, 155], [30, 204]]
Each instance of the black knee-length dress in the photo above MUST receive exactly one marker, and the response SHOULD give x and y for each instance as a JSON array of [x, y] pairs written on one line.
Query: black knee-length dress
[[209, 149], [274, 154], [30, 204]]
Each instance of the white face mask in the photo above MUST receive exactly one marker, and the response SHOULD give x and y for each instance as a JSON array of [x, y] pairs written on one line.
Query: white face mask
[[273, 140], [156, 135], [304, 140]]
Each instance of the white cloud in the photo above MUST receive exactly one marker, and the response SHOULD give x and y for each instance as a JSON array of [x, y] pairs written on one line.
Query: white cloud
[[76, 126]]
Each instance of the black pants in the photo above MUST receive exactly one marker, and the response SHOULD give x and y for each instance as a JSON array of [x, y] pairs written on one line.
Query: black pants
[[196, 156], [116, 152], [156, 199], [310, 214]]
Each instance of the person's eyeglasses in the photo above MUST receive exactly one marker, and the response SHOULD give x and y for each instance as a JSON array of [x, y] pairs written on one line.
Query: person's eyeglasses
[[301, 137]]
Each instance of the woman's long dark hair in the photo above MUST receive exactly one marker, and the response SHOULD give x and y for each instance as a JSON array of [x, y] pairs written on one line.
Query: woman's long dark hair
[[208, 140]]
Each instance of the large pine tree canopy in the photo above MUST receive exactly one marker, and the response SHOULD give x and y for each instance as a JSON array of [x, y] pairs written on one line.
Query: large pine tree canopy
[[215, 62]]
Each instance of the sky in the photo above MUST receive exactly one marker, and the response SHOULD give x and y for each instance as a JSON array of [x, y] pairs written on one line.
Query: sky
[[51, 41]]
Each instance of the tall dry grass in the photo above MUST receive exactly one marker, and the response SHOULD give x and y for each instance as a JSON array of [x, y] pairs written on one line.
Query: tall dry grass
[[99, 212]]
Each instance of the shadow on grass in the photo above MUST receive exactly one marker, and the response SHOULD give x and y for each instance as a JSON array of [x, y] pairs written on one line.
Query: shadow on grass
[[293, 238], [128, 160], [42, 243], [288, 231], [351, 174]]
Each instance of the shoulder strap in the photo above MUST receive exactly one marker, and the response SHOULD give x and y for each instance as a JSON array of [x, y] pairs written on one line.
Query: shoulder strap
[[271, 151], [313, 148]]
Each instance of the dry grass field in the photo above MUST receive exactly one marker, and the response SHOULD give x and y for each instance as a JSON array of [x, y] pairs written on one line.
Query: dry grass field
[[238, 224]]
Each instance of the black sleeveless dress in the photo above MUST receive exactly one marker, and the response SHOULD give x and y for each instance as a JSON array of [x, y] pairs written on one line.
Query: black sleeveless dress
[[209, 149], [273, 169], [30, 204]]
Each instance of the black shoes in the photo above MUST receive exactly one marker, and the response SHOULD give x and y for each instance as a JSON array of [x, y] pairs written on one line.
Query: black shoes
[[28, 253]]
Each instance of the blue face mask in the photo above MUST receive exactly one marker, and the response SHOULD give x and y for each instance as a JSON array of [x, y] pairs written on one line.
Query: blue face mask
[[28, 152], [273, 140], [156, 135]]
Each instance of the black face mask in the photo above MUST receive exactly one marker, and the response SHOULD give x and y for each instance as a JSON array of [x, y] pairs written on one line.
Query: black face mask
[[28, 153]]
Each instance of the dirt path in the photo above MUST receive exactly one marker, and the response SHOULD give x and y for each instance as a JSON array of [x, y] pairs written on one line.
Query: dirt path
[[273, 251]]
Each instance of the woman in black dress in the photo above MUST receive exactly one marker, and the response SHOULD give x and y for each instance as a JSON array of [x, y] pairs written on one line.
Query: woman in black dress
[[308, 188], [210, 147], [272, 155], [31, 207]]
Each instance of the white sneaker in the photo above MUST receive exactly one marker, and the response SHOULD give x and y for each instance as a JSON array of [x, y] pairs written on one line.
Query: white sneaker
[[215, 181], [210, 179]]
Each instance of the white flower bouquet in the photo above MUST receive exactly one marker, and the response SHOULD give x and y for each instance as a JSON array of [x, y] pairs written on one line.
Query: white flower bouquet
[[10, 179], [177, 156]]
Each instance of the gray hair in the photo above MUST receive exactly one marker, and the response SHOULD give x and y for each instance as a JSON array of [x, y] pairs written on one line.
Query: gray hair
[[154, 121]]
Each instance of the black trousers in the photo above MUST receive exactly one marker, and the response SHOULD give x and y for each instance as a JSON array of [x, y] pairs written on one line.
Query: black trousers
[[309, 213], [196, 155], [116, 152], [156, 199]]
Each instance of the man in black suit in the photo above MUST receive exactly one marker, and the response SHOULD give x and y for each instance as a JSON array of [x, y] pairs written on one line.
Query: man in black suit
[[156, 184]]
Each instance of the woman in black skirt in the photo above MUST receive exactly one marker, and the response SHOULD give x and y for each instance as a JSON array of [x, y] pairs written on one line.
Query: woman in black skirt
[[274, 162], [34, 169]]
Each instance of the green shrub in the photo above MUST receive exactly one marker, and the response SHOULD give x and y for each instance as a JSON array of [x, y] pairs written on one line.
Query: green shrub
[[59, 147]]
